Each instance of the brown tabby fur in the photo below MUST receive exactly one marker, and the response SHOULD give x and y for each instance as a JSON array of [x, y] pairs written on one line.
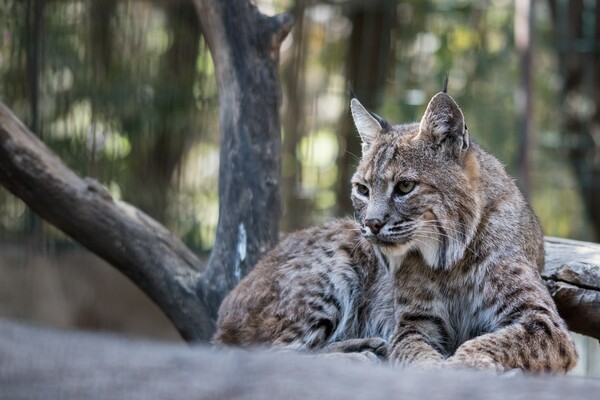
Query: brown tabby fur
[[441, 268]]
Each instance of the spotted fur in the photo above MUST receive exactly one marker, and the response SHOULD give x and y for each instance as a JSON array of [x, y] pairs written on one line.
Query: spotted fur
[[442, 263]]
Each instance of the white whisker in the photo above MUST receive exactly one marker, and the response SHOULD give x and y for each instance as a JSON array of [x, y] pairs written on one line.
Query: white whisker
[[423, 242], [356, 158], [361, 240], [448, 236]]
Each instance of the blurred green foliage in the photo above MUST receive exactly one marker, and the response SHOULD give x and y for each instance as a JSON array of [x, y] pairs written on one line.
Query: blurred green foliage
[[126, 94]]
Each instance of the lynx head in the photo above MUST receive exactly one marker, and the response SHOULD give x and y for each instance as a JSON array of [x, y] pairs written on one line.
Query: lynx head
[[415, 188]]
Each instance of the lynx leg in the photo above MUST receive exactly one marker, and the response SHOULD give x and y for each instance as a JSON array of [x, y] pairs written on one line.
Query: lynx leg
[[412, 347], [538, 343], [362, 357]]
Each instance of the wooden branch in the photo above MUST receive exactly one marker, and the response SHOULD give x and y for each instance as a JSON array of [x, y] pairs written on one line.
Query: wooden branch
[[45, 364], [141, 248], [572, 274]]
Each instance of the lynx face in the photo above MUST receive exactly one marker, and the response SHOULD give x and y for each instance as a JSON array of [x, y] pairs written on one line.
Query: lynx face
[[401, 202]]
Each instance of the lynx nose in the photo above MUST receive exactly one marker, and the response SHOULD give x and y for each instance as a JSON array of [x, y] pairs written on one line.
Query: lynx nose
[[375, 225]]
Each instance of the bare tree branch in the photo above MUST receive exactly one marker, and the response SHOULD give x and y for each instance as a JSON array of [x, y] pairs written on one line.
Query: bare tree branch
[[156, 261]]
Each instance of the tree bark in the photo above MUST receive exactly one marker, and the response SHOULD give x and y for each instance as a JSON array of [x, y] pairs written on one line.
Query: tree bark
[[572, 274], [245, 47]]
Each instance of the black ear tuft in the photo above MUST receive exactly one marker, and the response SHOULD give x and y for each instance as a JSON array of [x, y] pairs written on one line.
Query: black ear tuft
[[445, 88], [368, 124], [443, 125], [384, 124], [352, 94]]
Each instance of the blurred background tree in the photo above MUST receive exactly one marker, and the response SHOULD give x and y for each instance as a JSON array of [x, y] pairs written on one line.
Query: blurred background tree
[[123, 90]]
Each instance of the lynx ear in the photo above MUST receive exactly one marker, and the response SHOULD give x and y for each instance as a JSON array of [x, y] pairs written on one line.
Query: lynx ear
[[443, 125], [368, 124]]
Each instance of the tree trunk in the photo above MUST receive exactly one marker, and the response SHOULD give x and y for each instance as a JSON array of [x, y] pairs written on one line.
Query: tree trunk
[[245, 47], [578, 46], [366, 70], [157, 156], [294, 124], [524, 18], [34, 34]]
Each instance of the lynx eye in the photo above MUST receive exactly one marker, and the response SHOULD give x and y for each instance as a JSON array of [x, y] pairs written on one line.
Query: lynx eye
[[362, 189], [405, 187]]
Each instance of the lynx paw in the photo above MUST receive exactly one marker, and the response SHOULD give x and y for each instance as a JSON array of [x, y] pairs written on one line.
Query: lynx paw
[[376, 346], [426, 365], [362, 357], [510, 373], [479, 362]]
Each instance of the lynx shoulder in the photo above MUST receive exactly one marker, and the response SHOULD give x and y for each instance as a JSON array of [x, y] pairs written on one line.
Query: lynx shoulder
[[441, 266]]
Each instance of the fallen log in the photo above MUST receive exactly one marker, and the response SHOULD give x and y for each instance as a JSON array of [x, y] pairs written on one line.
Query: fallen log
[[38, 363], [572, 274]]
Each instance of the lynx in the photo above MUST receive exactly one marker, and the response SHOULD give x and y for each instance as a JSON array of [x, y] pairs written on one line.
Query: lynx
[[440, 268]]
